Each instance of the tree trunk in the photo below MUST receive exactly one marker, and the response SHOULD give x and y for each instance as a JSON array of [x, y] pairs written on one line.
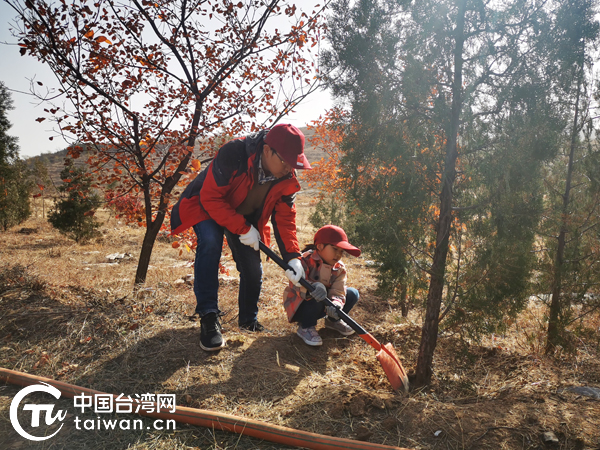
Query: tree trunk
[[153, 226], [555, 328], [403, 301], [424, 369], [146, 251]]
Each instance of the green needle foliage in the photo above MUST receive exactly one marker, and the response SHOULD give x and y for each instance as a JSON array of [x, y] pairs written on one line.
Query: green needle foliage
[[14, 186], [453, 118], [73, 214]]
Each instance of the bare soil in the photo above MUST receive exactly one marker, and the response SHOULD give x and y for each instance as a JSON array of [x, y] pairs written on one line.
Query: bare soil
[[68, 313]]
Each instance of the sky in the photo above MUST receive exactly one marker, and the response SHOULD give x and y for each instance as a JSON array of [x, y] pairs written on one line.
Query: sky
[[17, 73]]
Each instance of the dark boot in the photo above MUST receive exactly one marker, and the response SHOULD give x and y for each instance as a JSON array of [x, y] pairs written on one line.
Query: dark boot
[[211, 338], [252, 326]]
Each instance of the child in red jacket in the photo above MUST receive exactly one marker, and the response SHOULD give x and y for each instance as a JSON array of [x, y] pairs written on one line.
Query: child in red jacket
[[325, 270]]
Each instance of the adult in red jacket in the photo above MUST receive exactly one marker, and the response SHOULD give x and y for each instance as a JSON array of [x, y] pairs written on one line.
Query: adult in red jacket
[[250, 181]]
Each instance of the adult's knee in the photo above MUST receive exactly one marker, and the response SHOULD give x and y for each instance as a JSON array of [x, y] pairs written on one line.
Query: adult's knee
[[210, 238], [210, 247]]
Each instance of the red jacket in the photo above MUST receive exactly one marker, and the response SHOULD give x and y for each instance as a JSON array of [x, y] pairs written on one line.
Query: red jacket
[[220, 188]]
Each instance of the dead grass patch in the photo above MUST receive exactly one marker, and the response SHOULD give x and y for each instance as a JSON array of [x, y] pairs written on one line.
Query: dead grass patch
[[69, 314]]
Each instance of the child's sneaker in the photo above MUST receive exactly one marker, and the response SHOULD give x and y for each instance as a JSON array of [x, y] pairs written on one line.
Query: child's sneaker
[[338, 325], [310, 336]]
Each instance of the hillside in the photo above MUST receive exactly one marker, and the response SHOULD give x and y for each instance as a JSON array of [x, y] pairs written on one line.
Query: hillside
[[54, 162]]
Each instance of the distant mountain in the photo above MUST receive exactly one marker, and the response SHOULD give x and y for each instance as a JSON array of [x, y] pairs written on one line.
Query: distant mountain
[[54, 162]]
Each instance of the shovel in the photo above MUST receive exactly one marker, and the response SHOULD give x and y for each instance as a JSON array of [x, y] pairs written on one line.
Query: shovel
[[386, 354]]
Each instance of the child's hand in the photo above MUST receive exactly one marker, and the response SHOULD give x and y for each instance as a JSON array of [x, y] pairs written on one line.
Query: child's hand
[[320, 292], [332, 311]]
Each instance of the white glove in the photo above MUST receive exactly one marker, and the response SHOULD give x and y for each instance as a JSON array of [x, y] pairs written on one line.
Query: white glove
[[320, 292], [297, 273], [251, 238], [331, 311]]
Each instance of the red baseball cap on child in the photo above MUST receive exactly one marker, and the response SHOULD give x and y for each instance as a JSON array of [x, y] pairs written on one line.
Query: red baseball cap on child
[[330, 234], [288, 142]]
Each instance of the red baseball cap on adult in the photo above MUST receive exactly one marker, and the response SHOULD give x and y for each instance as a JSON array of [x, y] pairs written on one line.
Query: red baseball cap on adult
[[288, 142], [330, 234]]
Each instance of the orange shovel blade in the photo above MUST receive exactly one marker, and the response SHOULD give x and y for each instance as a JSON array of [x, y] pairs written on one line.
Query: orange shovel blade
[[392, 367]]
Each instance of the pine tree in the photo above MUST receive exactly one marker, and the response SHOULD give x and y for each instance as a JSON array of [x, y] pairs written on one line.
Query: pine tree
[[451, 122], [14, 186], [574, 201], [73, 214]]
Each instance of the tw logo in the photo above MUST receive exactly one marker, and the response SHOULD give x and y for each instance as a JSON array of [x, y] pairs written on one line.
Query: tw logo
[[36, 411]]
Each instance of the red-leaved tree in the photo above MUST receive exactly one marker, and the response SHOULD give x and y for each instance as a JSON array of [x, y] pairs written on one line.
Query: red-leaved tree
[[144, 84]]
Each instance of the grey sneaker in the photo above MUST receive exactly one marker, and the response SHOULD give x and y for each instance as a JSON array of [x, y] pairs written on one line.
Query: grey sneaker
[[310, 336], [338, 325]]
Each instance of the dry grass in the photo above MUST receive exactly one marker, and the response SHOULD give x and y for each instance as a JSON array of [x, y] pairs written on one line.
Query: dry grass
[[69, 315]]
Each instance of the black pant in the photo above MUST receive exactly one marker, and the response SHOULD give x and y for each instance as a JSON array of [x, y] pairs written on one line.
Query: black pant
[[310, 311]]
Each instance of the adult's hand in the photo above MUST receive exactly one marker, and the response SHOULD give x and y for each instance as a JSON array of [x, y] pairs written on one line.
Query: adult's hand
[[251, 238], [296, 273], [320, 292]]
